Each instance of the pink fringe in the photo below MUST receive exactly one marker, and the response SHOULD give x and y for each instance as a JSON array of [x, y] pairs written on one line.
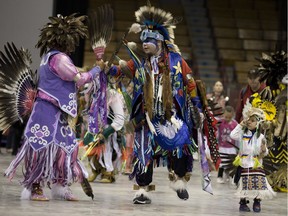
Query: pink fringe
[[51, 164]]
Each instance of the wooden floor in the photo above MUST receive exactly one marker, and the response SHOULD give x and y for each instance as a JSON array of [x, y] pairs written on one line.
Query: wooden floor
[[116, 199]]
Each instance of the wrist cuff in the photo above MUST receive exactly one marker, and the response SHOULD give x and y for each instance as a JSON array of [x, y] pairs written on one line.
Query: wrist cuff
[[88, 138], [108, 131]]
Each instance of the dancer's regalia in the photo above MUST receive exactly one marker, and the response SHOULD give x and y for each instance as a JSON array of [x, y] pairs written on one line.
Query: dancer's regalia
[[105, 112], [273, 100], [106, 118], [252, 149], [165, 108], [50, 148], [273, 69]]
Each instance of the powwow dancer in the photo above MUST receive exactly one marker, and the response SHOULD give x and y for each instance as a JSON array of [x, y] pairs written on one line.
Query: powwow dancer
[[252, 150], [101, 138], [165, 107], [105, 112], [273, 69], [272, 102], [50, 149]]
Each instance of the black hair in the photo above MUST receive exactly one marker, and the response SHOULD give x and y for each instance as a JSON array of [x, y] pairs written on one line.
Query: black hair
[[229, 109], [253, 74]]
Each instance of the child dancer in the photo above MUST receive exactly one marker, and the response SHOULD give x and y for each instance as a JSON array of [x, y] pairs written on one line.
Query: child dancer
[[253, 182], [228, 123]]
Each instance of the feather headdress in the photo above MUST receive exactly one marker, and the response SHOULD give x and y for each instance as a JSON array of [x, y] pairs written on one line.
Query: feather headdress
[[17, 85], [253, 111], [62, 33], [100, 25], [273, 68], [155, 23]]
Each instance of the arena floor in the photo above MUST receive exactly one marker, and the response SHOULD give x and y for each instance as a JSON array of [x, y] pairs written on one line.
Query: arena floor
[[116, 199]]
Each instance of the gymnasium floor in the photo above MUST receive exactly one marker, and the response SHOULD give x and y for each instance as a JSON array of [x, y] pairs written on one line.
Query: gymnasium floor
[[116, 199]]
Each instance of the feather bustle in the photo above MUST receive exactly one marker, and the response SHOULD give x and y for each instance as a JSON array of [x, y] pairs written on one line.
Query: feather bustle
[[17, 86]]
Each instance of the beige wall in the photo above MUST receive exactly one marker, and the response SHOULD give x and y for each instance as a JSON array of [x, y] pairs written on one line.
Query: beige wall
[[20, 23]]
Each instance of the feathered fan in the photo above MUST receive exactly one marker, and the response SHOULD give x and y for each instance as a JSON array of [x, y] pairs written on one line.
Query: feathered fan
[[17, 85], [100, 25]]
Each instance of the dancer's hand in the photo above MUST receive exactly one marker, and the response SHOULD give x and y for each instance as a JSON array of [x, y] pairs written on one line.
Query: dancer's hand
[[263, 145], [101, 64], [243, 123]]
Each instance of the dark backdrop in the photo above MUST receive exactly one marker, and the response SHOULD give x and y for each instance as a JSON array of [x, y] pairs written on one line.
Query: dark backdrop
[[67, 7]]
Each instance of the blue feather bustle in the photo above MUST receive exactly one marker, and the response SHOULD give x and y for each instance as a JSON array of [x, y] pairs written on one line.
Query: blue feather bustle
[[170, 138]]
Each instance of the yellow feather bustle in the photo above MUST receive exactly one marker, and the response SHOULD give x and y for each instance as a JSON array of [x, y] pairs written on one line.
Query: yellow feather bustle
[[266, 106]]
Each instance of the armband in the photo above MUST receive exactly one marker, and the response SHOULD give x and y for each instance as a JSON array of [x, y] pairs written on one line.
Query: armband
[[108, 131]]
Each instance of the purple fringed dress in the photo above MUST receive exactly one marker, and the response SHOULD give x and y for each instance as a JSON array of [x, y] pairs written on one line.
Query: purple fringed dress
[[50, 149]]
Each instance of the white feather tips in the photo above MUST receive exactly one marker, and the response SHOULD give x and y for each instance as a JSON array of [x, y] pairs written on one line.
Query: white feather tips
[[145, 12], [132, 45], [135, 28], [122, 63], [246, 108], [100, 43]]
